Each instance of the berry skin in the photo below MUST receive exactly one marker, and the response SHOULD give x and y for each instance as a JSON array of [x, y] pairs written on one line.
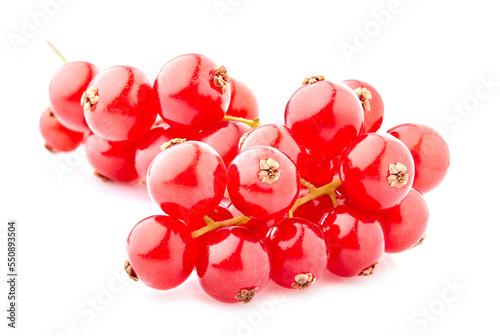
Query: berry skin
[[224, 137], [324, 117], [192, 91], [187, 180], [373, 106], [376, 171], [161, 252], [430, 153], [276, 136], [263, 182], [57, 137], [243, 102], [261, 226], [298, 253], [119, 104], [405, 224], [318, 170], [150, 145], [233, 264], [112, 161], [355, 241], [65, 92]]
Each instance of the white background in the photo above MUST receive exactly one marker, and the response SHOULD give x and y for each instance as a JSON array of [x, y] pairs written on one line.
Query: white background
[[428, 59]]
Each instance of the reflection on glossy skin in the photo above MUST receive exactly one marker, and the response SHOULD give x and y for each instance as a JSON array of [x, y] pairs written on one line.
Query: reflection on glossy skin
[[161, 251], [430, 153], [230, 260], [365, 168], [354, 240], [324, 117], [187, 180]]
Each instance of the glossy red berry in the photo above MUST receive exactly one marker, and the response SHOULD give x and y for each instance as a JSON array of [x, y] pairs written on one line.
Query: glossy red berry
[[324, 117], [243, 102], [193, 91], [298, 253], [233, 264], [318, 170], [263, 182], [373, 106], [430, 153], [354, 240], [161, 252], [65, 92], [187, 180], [119, 104], [57, 137], [114, 161], [405, 224], [224, 136], [376, 171], [276, 136], [150, 145]]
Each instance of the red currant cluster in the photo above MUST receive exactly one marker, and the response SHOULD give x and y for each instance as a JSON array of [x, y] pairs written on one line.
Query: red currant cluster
[[245, 203]]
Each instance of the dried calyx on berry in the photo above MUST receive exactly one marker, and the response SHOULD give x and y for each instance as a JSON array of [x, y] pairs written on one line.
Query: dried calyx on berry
[[303, 281], [270, 171], [246, 295], [89, 99], [171, 143], [312, 79], [220, 78], [398, 176], [364, 96]]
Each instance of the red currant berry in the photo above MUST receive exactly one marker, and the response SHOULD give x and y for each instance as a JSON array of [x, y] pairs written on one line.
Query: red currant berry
[[57, 137], [298, 253], [119, 104], [319, 171], [405, 224], [233, 264], [376, 171], [430, 153], [243, 102], [263, 182], [354, 240], [276, 136], [324, 117], [150, 145], [192, 91], [187, 179], [112, 161], [224, 137], [161, 252], [373, 106], [65, 92]]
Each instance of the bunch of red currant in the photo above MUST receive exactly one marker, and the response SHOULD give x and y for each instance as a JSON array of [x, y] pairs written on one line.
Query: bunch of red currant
[[245, 203]]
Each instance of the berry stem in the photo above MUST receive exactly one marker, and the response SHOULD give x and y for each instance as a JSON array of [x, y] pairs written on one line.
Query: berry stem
[[57, 52], [212, 225], [252, 123], [327, 189]]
